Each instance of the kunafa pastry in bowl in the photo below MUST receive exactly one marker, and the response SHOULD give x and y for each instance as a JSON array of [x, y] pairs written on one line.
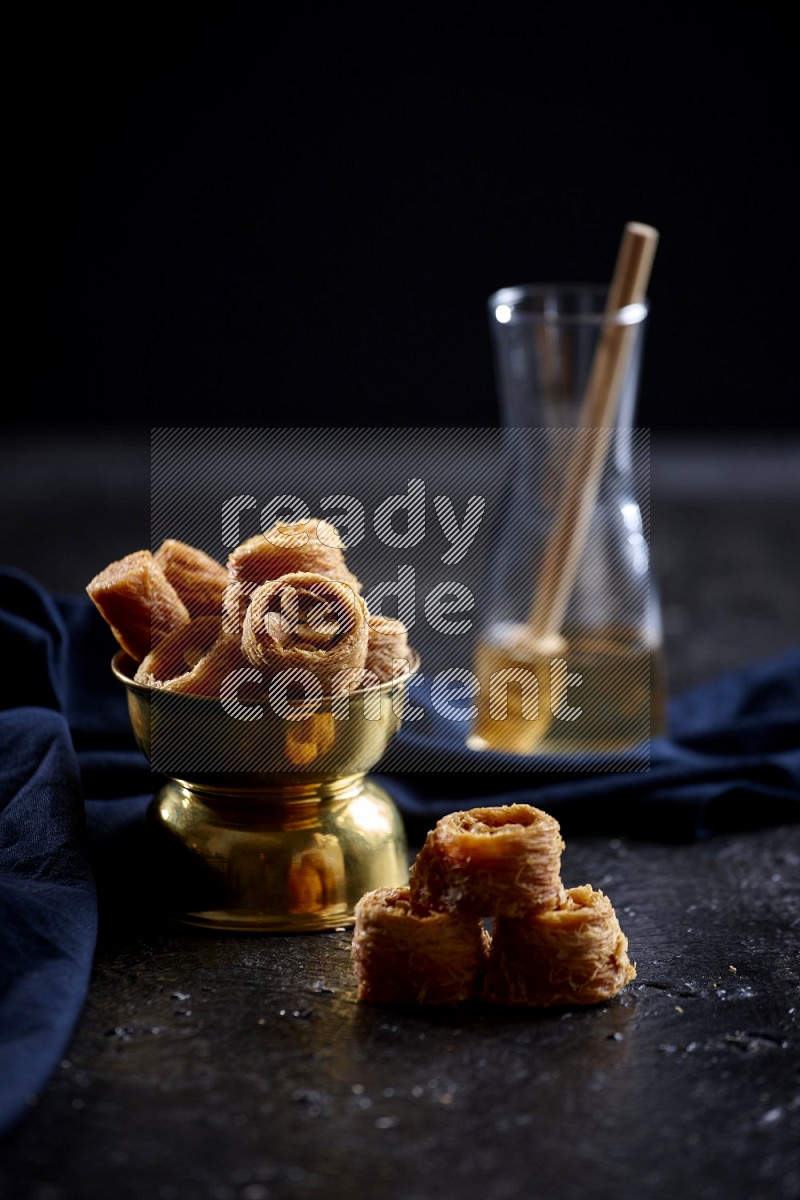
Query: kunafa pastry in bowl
[[194, 660], [198, 578], [285, 548], [387, 646], [284, 600], [306, 622], [239, 677], [137, 601]]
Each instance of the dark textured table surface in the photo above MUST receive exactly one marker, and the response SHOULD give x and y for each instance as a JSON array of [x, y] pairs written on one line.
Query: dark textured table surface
[[242, 1067], [234, 1067]]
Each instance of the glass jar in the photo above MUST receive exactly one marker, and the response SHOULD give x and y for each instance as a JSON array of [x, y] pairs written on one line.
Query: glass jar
[[569, 650]]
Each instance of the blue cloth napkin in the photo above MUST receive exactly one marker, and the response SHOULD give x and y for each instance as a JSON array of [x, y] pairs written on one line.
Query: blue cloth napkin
[[731, 762], [74, 789]]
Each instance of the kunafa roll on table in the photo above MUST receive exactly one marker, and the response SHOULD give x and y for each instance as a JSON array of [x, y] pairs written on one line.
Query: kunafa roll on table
[[487, 861], [550, 946], [573, 954], [306, 622], [403, 956]]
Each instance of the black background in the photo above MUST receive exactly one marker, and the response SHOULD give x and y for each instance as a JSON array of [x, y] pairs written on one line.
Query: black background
[[296, 218]]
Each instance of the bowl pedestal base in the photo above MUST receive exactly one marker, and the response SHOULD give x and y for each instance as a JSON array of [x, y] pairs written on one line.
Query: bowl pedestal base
[[294, 858]]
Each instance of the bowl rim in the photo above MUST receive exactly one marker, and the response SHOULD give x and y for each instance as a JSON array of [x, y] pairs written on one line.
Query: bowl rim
[[148, 689]]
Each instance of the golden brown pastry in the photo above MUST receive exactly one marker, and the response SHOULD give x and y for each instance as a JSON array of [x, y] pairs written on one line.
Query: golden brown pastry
[[388, 657], [401, 955], [387, 647], [198, 578], [486, 861], [138, 602], [285, 548], [574, 953], [308, 622], [194, 659]]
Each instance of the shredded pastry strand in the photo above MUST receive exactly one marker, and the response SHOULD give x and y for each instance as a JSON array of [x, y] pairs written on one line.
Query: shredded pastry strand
[[573, 954], [401, 955], [488, 861]]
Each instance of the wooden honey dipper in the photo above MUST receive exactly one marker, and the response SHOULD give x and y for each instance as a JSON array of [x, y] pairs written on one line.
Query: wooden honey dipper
[[566, 543]]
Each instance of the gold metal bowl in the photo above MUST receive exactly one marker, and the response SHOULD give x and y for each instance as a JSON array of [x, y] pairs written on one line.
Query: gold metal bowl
[[266, 823]]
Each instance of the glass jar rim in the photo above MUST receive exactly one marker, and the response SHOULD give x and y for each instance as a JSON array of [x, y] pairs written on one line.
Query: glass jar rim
[[558, 304]]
